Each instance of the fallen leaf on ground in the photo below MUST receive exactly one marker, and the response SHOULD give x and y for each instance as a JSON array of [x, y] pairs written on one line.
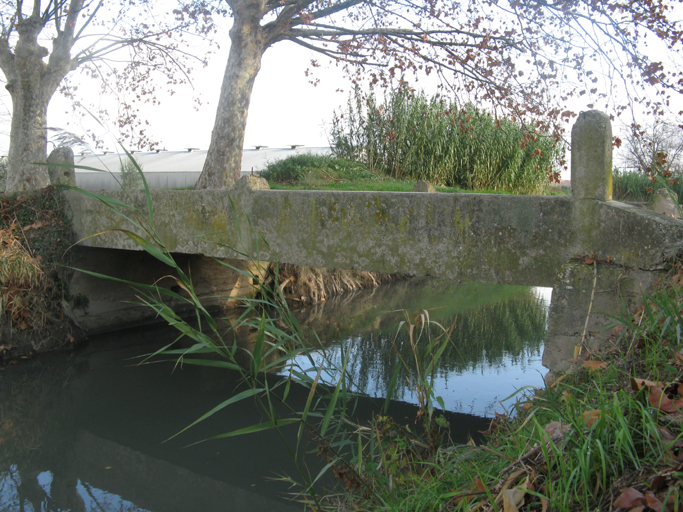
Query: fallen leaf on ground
[[637, 384], [591, 417], [629, 497], [555, 427], [594, 365], [512, 499], [658, 399]]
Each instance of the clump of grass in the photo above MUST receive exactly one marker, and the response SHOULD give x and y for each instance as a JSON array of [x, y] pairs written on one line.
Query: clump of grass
[[410, 136], [307, 167], [327, 172], [22, 284]]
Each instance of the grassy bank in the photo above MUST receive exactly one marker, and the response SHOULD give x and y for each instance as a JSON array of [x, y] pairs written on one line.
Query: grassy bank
[[607, 436], [408, 135], [324, 172]]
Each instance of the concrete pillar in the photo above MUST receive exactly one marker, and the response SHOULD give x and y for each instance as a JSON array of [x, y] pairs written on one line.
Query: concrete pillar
[[61, 167], [592, 156], [573, 294]]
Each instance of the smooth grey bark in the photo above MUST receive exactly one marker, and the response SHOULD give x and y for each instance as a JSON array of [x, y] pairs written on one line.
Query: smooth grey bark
[[248, 42]]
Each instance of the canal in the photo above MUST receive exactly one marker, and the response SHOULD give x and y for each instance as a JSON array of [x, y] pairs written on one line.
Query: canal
[[92, 430]]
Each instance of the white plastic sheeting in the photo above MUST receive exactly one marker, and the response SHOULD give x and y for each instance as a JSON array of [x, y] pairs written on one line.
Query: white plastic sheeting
[[172, 169]]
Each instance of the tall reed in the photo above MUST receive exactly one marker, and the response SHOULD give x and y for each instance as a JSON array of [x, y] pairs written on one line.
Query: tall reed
[[411, 136], [639, 186]]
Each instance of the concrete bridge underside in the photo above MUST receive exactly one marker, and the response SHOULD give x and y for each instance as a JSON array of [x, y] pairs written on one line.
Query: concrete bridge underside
[[529, 240]]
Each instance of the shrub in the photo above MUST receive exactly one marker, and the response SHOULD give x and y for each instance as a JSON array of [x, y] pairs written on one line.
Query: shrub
[[410, 136], [131, 177], [296, 168]]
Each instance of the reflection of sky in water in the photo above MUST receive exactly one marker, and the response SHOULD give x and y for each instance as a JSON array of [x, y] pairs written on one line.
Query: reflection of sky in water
[[475, 390], [94, 499]]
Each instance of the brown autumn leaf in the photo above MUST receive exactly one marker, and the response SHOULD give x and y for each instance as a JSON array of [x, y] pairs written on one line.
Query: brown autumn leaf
[[512, 499], [594, 365], [658, 399], [555, 428], [653, 502], [544, 504], [618, 330], [637, 384], [591, 417], [629, 498], [678, 357], [658, 483], [589, 260]]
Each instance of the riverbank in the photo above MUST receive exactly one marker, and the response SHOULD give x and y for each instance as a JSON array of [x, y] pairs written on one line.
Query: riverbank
[[607, 435], [34, 239]]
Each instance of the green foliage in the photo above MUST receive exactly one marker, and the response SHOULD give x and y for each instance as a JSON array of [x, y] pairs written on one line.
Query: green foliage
[[297, 168], [326, 172], [410, 136], [639, 187], [131, 175]]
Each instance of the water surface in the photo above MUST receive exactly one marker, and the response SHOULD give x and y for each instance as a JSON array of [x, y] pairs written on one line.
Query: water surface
[[88, 430]]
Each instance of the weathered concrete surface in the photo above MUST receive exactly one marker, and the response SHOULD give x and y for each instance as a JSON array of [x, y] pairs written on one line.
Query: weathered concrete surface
[[591, 164], [617, 290], [474, 237], [61, 167], [666, 201], [490, 238]]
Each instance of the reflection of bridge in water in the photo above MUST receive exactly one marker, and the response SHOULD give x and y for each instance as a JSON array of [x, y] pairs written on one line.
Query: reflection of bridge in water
[[475, 237]]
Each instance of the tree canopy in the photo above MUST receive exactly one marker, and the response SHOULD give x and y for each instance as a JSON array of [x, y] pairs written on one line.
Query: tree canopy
[[657, 146], [82, 33], [524, 58]]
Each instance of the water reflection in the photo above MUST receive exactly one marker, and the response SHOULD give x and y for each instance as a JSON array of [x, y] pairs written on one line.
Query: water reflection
[[85, 431], [496, 347]]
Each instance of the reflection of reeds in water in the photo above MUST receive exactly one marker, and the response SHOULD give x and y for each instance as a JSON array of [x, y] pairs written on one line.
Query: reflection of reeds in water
[[487, 336]]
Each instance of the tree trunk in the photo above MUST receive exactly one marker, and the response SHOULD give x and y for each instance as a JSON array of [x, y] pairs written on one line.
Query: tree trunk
[[31, 90], [28, 139], [224, 158]]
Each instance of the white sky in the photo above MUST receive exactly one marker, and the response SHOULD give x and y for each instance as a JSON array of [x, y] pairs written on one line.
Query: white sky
[[285, 107]]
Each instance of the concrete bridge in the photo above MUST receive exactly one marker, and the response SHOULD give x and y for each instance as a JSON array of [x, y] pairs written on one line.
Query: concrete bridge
[[533, 240]]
